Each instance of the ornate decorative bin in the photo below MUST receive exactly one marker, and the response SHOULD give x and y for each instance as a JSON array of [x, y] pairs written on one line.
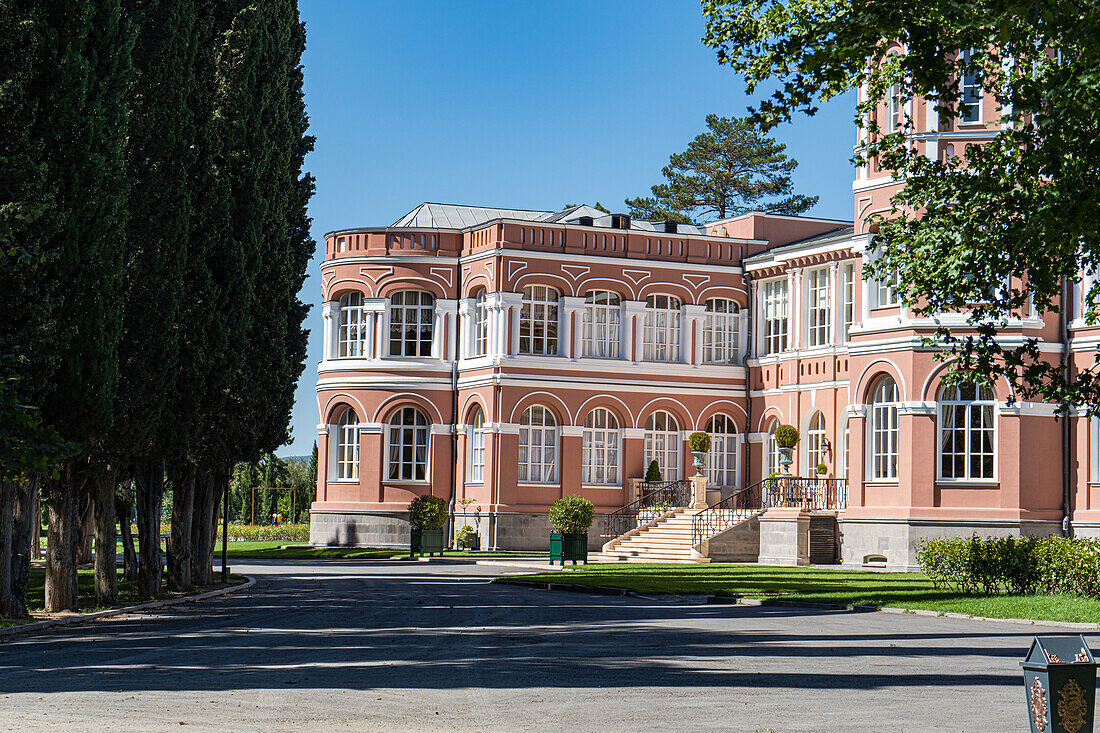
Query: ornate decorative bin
[[568, 547], [425, 542], [1060, 681]]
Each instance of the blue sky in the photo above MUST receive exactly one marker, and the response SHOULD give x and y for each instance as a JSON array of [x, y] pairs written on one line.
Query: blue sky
[[530, 105]]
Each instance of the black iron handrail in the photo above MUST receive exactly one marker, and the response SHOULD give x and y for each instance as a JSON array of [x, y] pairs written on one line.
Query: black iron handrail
[[797, 492], [656, 498]]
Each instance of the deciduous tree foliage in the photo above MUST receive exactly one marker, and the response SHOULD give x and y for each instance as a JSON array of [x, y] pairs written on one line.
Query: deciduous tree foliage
[[1022, 210], [727, 170]]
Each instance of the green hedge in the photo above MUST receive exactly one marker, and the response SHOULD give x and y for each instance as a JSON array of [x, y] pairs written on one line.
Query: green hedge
[[571, 515], [1017, 565], [267, 533]]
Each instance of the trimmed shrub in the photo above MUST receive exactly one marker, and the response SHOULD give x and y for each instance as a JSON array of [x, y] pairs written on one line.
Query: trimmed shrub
[[1016, 565], [465, 537], [699, 441], [571, 515], [653, 473], [427, 513], [821, 469], [267, 533], [786, 436]]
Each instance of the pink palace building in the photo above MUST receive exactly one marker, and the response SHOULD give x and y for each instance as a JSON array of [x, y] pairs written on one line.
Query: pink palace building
[[513, 357]]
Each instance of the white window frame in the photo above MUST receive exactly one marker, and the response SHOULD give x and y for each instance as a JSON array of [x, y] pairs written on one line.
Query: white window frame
[[895, 107], [353, 326], [724, 457], [600, 454], [773, 305], [722, 332], [1094, 449], [663, 322], [952, 405], [970, 93], [844, 454], [882, 432], [602, 324], [409, 433], [538, 427], [481, 324], [538, 321], [411, 325], [818, 306], [771, 450], [848, 299], [475, 447], [885, 293], [815, 442], [664, 444], [347, 447]]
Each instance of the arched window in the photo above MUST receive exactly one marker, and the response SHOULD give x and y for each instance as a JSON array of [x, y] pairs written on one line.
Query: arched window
[[815, 443], [538, 321], [720, 332], [845, 452], [894, 106], [411, 315], [723, 459], [538, 446], [481, 324], [662, 328], [967, 432], [347, 446], [353, 332], [408, 445], [771, 450], [601, 324], [475, 448], [600, 448], [662, 444], [882, 433]]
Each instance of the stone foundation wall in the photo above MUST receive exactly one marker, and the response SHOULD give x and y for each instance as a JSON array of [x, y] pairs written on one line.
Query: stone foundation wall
[[892, 543], [784, 538], [737, 544]]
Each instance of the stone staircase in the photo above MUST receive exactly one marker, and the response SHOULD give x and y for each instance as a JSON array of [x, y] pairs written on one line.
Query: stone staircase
[[666, 539]]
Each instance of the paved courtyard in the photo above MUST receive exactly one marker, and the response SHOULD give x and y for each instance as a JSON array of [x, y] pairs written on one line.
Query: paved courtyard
[[348, 645]]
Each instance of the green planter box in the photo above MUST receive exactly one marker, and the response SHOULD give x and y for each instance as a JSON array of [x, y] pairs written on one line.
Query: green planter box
[[568, 547], [425, 542]]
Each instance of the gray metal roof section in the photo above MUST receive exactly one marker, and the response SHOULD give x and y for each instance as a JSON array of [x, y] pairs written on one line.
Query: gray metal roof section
[[457, 216], [834, 235]]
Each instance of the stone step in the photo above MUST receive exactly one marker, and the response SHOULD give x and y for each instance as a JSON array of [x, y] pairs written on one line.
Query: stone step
[[651, 557]]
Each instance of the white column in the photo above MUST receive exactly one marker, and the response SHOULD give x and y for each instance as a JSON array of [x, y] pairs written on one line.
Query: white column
[[330, 319], [467, 309], [572, 319], [510, 303], [794, 309], [835, 303], [633, 329], [866, 287], [374, 310], [693, 325], [443, 307]]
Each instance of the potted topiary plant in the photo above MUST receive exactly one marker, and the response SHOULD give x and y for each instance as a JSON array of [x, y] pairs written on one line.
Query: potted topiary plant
[[427, 517], [699, 443], [571, 516], [821, 469], [653, 473], [786, 437], [467, 538]]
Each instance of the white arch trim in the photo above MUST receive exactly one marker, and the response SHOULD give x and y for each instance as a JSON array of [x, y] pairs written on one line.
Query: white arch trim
[[706, 412], [360, 412], [593, 283], [406, 395], [900, 377], [474, 397], [582, 413], [687, 418], [770, 413], [568, 418], [367, 288], [940, 368], [538, 279]]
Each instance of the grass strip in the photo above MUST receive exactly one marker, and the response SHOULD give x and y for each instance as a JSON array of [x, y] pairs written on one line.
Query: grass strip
[[817, 585]]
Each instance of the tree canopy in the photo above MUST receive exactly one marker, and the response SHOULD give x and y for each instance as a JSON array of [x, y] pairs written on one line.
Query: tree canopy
[[1006, 226], [727, 170]]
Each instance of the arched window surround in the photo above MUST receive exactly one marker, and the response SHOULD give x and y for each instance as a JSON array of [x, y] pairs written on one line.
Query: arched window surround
[[723, 464], [345, 437], [664, 444], [600, 448], [475, 446], [538, 446], [408, 443], [966, 434], [882, 431], [815, 440]]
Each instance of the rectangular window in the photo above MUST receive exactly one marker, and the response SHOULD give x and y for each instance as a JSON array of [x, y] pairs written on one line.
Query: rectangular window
[[970, 92], [848, 296], [662, 328], [601, 324], [720, 332], [411, 316], [775, 316], [538, 321], [884, 292], [818, 306]]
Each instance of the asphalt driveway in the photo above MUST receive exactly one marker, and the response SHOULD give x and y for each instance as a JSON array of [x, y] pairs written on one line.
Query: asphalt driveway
[[382, 645]]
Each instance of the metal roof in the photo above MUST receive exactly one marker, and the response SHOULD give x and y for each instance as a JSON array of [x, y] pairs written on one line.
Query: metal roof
[[457, 216], [830, 236]]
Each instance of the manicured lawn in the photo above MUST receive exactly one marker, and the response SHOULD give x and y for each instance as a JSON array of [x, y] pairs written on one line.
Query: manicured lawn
[[846, 587], [259, 550]]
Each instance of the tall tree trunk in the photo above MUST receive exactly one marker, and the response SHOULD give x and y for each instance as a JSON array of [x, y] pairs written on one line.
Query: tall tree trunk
[[125, 510], [181, 546], [106, 556], [200, 568], [26, 538], [61, 578], [8, 606], [86, 525], [150, 489]]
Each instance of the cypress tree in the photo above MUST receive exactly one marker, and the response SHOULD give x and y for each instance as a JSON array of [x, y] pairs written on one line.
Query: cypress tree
[[80, 77]]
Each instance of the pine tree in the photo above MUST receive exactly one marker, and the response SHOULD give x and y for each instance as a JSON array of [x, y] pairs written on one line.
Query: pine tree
[[727, 170]]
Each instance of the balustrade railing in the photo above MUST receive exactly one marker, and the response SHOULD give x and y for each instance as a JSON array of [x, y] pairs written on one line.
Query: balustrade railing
[[796, 492], [655, 499]]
